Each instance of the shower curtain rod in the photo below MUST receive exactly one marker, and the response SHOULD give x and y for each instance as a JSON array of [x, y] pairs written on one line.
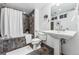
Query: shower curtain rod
[[4, 6], [14, 9]]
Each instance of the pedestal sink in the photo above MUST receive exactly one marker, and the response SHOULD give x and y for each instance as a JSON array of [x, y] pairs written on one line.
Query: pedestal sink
[[61, 34]]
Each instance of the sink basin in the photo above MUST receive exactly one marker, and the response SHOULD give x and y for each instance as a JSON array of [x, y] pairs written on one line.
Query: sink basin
[[61, 34]]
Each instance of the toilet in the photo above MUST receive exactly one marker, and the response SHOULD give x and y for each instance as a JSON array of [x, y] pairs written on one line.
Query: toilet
[[36, 42]]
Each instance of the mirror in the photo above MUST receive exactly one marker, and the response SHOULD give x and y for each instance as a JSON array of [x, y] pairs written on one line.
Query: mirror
[[63, 14]]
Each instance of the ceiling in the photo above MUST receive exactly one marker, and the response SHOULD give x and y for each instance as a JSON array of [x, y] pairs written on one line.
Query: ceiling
[[26, 7], [29, 7], [56, 9]]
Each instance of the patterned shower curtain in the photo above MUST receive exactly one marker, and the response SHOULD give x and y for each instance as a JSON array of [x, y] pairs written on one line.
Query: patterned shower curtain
[[11, 22]]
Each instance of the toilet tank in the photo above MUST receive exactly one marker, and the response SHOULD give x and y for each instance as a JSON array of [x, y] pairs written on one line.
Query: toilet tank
[[42, 36], [28, 38]]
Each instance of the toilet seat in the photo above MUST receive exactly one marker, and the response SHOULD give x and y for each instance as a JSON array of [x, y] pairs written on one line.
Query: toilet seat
[[36, 43]]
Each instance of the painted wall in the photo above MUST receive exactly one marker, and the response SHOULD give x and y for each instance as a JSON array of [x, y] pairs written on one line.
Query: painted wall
[[36, 21], [72, 46], [44, 24]]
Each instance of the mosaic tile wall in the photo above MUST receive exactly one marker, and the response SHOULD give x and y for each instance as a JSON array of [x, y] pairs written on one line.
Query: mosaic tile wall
[[25, 23], [28, 23], [12, 44]]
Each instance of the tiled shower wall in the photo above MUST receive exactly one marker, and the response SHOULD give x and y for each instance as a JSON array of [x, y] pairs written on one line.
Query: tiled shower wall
[[25, 23], [28, 23], [12, 44]]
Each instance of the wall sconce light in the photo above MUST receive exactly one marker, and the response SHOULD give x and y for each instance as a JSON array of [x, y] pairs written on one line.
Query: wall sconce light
[[45, 16]]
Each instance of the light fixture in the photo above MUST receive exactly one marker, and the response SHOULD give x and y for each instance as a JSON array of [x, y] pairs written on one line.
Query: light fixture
[[45, 16]]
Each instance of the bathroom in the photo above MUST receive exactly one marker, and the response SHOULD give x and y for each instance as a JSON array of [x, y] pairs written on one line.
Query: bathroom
[[19, 29], [39, 29]]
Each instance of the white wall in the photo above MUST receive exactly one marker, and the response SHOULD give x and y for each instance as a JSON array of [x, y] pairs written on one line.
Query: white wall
[[36, 21], [72, 45], [44, 24], [54, 43]]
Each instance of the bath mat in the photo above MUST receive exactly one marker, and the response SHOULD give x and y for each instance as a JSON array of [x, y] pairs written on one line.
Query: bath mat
[[21, 51]]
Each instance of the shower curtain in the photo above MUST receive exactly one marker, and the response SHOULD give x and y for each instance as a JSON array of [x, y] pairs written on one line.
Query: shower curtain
[[11, 22]]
